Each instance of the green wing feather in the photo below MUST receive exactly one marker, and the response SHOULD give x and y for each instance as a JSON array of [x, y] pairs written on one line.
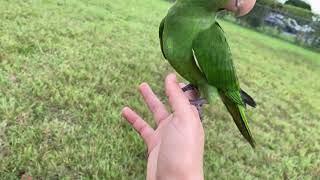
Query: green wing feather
[[161, 27], [235, 97], [214, 58], [213, 55]]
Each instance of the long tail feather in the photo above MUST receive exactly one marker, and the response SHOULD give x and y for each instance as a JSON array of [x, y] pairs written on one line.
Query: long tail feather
[[247, 99], [239, 117]]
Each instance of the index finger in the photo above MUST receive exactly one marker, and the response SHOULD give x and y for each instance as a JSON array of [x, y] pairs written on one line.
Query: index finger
[[155, 105], [178, 101]]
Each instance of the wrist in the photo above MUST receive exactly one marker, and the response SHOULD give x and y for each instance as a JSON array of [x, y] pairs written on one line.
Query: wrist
[[191, 174]]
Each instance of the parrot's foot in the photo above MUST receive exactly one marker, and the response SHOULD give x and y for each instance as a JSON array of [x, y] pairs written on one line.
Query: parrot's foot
[[189, 87], [198, 103]]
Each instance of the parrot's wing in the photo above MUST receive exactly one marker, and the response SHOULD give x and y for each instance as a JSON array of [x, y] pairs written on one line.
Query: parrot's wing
[[161, 27], [212, 53]]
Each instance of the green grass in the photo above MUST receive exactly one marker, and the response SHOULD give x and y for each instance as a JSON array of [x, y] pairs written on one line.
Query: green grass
[[68, 67]]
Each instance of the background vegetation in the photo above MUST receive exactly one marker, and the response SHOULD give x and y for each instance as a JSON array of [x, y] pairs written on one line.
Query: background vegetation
[[292, 21], [68, 67], [298, 3]]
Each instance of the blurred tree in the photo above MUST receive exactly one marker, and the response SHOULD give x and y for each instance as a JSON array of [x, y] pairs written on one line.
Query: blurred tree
[[302, 14], [270, 3], [298, 3], [257, 15]]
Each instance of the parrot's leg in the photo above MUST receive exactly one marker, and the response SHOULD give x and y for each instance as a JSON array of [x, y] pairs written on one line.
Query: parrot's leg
[[198, 103], [189, 87]]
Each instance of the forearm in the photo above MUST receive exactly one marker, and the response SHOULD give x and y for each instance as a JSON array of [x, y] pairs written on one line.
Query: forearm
[[183, 171], [190, 175], [174, 174]]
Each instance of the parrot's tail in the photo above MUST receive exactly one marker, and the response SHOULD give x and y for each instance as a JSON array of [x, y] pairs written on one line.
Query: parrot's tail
[[247, 99], [239, 117]]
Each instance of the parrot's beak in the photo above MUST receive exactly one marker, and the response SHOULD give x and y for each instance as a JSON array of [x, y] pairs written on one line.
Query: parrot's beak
[[240, 7]]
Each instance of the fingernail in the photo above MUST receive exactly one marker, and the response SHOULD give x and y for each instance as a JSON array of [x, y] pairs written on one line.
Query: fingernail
[[124, 110], [142, 85]]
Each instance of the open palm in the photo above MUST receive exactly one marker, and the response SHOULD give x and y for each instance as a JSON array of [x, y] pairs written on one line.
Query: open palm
[[175, 147]]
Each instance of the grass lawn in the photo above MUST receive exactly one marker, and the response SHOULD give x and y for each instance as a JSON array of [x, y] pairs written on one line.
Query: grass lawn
[[68, 67]]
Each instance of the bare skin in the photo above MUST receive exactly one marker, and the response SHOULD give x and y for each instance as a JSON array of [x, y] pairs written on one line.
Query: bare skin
[[240, 7], [176, 145]]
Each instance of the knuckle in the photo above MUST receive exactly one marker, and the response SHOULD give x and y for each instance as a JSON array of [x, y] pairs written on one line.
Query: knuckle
[[142, 128], [154, 106]]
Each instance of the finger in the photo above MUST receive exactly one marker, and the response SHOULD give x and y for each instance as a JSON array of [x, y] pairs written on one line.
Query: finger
[[178, 101], [155, 105], [195, 112], [191, 95], [138, 124]]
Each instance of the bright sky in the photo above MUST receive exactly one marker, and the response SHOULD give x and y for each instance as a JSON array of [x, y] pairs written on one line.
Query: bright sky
[[315, 5]]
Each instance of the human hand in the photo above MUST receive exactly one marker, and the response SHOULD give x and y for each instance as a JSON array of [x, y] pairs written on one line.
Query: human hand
[[176, 146]]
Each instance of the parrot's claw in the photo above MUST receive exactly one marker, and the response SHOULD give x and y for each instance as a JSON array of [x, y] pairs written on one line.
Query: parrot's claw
[[189, 87], [198, 103]]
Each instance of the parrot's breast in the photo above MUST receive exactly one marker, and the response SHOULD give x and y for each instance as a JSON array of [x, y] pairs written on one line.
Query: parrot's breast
[[178, 36]]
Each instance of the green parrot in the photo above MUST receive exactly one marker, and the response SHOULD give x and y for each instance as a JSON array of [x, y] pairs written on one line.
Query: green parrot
[[194, 44]]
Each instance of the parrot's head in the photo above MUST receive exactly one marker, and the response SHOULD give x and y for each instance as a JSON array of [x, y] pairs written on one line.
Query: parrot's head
[[239, 7]]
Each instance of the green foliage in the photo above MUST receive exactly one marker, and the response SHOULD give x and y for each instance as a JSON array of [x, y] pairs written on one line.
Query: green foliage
[[298, 12], [270, 3], [289, 8], [68, 67], [299, 3]]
